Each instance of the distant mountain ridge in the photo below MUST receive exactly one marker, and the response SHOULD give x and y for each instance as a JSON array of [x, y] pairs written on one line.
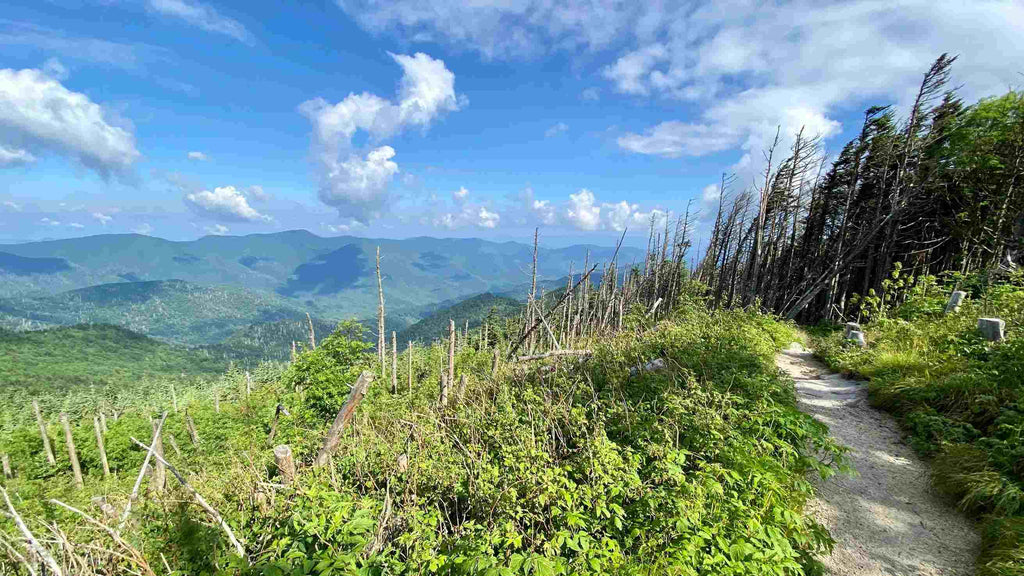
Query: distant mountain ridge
[[201, 291]]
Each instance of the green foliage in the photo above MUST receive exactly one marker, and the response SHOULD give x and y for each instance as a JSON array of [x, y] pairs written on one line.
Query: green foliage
[[478, 309], [326, 372], [89, 366], [960, 397], [573, 467]]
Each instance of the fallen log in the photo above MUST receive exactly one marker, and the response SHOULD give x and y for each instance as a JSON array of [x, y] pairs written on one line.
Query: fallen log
[[555, 353], [333, 438]]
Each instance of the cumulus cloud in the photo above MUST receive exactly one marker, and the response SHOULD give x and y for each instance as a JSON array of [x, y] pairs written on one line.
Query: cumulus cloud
[[38, 115], [198, 156], [14, 206], [583, 212], [76, 225], [225, 203], [103, 218], [202, 16], [487, 219], [357, 184], [556, 130], [145, 229], [217, 229], [460, 195], [49, 221]]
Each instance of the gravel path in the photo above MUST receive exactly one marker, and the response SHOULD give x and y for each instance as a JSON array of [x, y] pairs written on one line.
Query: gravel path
[[886, 520]]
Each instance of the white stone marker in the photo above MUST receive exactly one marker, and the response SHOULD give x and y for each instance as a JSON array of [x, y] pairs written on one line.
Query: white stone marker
[[851, 327], [857, 337], [954, 301], [992, 329]]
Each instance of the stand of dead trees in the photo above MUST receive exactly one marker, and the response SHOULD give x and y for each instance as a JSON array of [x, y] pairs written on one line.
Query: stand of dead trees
[[935, 191]]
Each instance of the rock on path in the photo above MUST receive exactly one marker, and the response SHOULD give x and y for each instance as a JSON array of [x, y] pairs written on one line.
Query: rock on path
[[887, 519]]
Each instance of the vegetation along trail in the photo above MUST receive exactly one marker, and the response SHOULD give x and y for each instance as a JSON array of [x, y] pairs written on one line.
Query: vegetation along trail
[[887, 518]]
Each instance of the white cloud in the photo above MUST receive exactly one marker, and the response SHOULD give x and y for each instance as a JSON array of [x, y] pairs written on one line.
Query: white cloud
[[217, 229], [225, 203], [38, 114], [674, 139], [582, 213], [145, 229], [198, 156], [83, 49], [10, 157], [202, 16], [500, 29], [49, 221], [747, 66], [103, 218], [556, 130], [460, 195], [12, 205], [630, 72], [76, 225], [488, 219], [355, 185]]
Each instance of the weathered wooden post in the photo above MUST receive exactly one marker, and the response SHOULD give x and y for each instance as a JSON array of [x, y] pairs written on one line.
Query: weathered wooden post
[[99, 446], [248, 386], [992, 329], [462, 387], [294, 352], [7, 465], [103, 422], [394, 362], [285, 463], [333, 438], [174, 399], [955, 299], [216, 400], [42, 432], [443, 399], [494, 361], [72, 453]]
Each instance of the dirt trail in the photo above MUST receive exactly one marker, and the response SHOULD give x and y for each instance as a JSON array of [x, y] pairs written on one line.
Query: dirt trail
[[886, 520]]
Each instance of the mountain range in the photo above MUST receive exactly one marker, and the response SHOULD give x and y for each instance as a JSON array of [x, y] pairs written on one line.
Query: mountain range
[[205, 291]]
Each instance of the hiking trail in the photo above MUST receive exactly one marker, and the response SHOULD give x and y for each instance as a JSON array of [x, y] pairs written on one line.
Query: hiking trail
[[887, 519]]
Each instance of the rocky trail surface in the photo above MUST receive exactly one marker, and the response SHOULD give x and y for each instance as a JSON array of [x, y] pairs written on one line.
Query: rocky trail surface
[[886, 519]]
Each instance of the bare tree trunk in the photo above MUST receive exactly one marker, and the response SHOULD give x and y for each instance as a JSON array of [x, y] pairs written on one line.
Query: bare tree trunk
[[333, 438], [99, 446], [312, 335], [451, 351], [72, 453], [381, 339], [43, 434]]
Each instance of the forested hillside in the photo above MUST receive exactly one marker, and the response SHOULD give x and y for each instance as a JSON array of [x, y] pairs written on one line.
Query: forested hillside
[[485, 308]]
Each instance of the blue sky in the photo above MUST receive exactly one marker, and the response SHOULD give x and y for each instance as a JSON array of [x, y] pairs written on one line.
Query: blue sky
[[180, 118]]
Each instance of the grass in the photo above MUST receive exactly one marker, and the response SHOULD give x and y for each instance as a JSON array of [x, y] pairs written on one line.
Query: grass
[[960, 398], [570, 467]]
